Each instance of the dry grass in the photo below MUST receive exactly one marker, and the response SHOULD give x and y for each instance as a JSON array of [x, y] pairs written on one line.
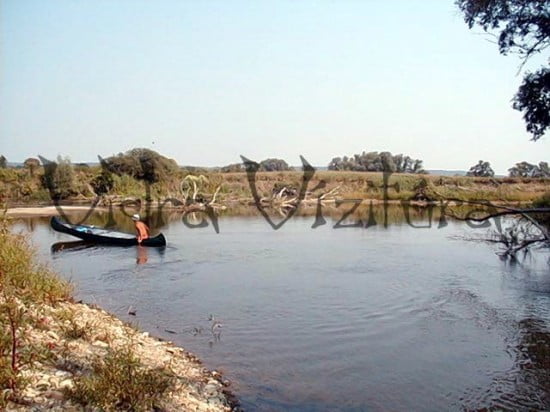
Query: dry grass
[[19, 185], [370, 185]]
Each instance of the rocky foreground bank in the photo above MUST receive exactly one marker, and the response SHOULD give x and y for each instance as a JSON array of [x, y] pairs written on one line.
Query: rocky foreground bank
[[58, 355], [79, 336]]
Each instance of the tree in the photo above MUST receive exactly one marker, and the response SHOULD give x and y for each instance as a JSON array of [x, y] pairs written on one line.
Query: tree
[[523, 28], [3, 162], [32, 164], [481, 169], [544, 170], [59, 178], [232, 168], [533, 98], [522, 169], [377, 162], [142, 164], [526, 169], [274, 165]]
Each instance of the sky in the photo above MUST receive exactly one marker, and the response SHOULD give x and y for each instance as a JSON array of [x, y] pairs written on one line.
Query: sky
[[206, 81]]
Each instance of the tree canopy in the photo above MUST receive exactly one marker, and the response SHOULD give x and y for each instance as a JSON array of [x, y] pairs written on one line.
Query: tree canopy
[[377, 162], [3, 162], [522, 27], [274, 165], [481, 169], [525, 169], [142, 164]]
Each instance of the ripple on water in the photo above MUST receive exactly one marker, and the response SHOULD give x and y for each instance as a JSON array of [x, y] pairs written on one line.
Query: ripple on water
[[338, 319]]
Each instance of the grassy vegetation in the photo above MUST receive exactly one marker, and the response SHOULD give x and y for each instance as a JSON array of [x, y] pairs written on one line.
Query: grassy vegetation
[[120, 382], [23, 283], [20, 186], [117, 381], [22, 277], [369, 185]]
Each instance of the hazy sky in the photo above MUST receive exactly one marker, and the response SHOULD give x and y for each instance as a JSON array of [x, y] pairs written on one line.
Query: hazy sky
[[206, 81]]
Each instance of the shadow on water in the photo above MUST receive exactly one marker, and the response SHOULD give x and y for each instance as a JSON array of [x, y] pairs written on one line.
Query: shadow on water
[[68, 246], [142, 253]]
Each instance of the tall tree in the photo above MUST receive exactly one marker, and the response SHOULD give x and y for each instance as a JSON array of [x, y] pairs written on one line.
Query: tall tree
[[481, 169], [522, 27], [3, 162]]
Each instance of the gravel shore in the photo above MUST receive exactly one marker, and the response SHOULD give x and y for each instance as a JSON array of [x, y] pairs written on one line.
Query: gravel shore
[[78, 334]]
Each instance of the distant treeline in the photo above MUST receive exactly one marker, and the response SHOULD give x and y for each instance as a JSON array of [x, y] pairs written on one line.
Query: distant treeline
[[522, 169], [267, 165], [150, 166], [377, 162], [145, 174]]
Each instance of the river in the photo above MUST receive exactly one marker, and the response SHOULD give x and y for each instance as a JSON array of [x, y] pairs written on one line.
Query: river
[[340, 319]]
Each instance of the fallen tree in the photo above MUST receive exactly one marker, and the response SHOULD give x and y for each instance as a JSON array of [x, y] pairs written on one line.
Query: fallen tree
[[530, 228]]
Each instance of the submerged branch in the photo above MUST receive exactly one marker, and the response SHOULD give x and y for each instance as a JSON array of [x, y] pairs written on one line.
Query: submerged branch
[[518, 237]]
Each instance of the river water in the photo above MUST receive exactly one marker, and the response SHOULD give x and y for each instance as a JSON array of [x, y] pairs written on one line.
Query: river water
[[348, 319]]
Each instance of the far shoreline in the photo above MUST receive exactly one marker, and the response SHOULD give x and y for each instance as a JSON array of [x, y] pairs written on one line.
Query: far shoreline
[[36, 210]]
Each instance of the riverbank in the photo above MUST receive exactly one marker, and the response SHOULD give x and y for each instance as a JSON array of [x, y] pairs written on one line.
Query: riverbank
[[19, 188], [79, 335], [56, 354]]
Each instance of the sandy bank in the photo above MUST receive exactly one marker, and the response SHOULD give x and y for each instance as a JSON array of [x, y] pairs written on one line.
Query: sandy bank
[[33, 211]]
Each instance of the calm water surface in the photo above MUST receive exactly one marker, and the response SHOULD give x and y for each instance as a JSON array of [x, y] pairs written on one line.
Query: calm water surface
[[335, 319]]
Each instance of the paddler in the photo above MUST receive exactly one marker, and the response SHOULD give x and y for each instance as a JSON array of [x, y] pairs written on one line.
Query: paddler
[[141, 229]]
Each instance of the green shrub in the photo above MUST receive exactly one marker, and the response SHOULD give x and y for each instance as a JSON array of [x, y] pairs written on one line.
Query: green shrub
[[31, 281], [128, 186], [120, 382], [59, 179]]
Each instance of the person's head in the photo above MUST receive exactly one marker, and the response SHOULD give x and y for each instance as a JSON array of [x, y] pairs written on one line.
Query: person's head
[[135, 218]]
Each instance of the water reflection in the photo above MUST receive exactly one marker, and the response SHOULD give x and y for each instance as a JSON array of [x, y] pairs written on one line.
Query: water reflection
[[142, 256], [342, 214]]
